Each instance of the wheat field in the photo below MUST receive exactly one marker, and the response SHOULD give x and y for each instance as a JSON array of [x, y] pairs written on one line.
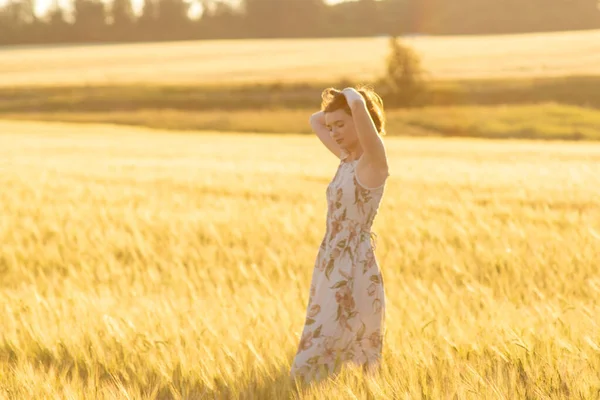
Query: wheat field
[[139, 264], [290, 60]]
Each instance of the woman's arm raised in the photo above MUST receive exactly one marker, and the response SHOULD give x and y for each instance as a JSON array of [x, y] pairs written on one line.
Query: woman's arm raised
[[317, 123], [372, 145]]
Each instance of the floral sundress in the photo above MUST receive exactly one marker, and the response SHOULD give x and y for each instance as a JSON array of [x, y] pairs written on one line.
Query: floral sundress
[[346, 308]]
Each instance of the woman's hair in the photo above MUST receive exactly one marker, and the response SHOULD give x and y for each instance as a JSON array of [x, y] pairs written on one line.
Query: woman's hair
[[333, 100]]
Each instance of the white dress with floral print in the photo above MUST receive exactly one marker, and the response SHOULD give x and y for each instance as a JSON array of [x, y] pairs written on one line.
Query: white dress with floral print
[[346, 308]]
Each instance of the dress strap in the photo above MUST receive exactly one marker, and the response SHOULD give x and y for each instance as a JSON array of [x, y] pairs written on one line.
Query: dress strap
[[343, 154]]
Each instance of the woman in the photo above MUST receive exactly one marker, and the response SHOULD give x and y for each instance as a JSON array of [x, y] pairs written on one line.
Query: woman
[[346, 308]]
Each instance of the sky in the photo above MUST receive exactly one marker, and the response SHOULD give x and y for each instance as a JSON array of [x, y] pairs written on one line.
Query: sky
[[41, 6]]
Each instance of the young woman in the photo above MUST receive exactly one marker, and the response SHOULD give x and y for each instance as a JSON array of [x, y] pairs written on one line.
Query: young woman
[[346, 308]]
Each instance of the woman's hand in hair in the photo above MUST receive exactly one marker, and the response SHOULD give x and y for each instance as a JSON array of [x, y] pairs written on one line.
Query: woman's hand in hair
[[352, 96]]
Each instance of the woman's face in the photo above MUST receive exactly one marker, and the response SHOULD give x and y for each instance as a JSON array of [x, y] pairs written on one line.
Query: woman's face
[[341, 128]]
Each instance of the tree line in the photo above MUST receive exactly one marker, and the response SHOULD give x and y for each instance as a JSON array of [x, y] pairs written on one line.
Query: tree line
[[116, 21]]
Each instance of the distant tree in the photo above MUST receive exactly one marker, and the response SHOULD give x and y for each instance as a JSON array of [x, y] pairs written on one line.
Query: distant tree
[[121, 14], [57, 27], [56, 15], [114, 20], [404, 83], [149, 13], [22, 11], [289, 18], [221, 20], [18, 23], [90, 20]]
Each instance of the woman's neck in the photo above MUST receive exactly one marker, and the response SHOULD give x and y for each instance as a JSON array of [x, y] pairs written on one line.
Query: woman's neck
[[353, 154]]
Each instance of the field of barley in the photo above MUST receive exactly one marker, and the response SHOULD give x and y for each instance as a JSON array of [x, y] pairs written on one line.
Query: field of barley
[[289, 60], [146, 264]]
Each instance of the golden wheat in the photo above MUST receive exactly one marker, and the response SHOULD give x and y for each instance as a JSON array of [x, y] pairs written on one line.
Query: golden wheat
[[291, 60], [145, 264]]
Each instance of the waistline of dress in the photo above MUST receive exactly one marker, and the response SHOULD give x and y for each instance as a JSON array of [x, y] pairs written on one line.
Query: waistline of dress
[[372, 235]]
